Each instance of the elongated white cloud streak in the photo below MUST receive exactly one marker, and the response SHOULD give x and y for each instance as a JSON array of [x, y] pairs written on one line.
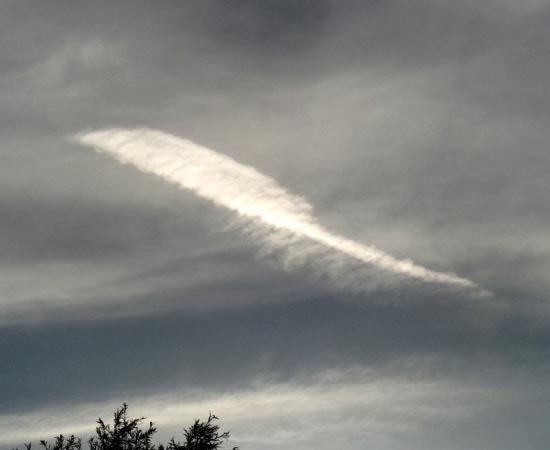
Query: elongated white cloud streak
[[336, 406], [246, 191]]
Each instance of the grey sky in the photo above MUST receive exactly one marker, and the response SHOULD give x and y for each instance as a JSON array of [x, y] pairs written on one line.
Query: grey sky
[[418, 127]]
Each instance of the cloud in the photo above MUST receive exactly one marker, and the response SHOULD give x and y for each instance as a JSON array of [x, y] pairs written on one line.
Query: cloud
[[410, 404], [342, 406], [259, 199]]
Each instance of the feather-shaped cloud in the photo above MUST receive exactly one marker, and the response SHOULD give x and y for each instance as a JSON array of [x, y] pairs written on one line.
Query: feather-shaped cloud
[[259, 198]]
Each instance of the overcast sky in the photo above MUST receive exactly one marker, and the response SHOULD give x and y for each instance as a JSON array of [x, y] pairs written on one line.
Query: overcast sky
[[418, 127]]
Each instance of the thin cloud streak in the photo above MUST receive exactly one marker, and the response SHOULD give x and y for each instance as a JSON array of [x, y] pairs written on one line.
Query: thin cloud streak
[[349, 403], [251, 195]]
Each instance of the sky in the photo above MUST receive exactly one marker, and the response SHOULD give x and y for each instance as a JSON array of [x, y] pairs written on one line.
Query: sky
[[326, 221]]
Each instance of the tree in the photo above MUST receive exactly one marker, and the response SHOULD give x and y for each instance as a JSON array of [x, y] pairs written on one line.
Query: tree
[[126, 433], [62, 443], [201, 436]]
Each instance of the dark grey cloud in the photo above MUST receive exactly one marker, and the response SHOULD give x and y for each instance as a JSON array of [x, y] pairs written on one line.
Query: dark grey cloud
[[419, 127], [269, 29], [60, 363]]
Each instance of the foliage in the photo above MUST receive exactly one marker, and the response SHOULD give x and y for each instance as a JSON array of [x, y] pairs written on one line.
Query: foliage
[[63, 443], [201, 436], [126, 433]]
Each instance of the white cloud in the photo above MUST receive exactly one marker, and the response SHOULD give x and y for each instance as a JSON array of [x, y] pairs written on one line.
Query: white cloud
[[337, 406], [258, 198]]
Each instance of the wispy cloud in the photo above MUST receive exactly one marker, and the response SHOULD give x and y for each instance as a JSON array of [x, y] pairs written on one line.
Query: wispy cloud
[[260, 199], [343, 405]]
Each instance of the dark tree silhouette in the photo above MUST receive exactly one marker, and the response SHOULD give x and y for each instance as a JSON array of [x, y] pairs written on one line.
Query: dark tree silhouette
[[201, 436], [126, 433], [63, 443]]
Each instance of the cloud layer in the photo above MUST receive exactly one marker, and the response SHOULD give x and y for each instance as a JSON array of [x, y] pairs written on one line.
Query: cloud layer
[[339, 406], [416, 127]]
